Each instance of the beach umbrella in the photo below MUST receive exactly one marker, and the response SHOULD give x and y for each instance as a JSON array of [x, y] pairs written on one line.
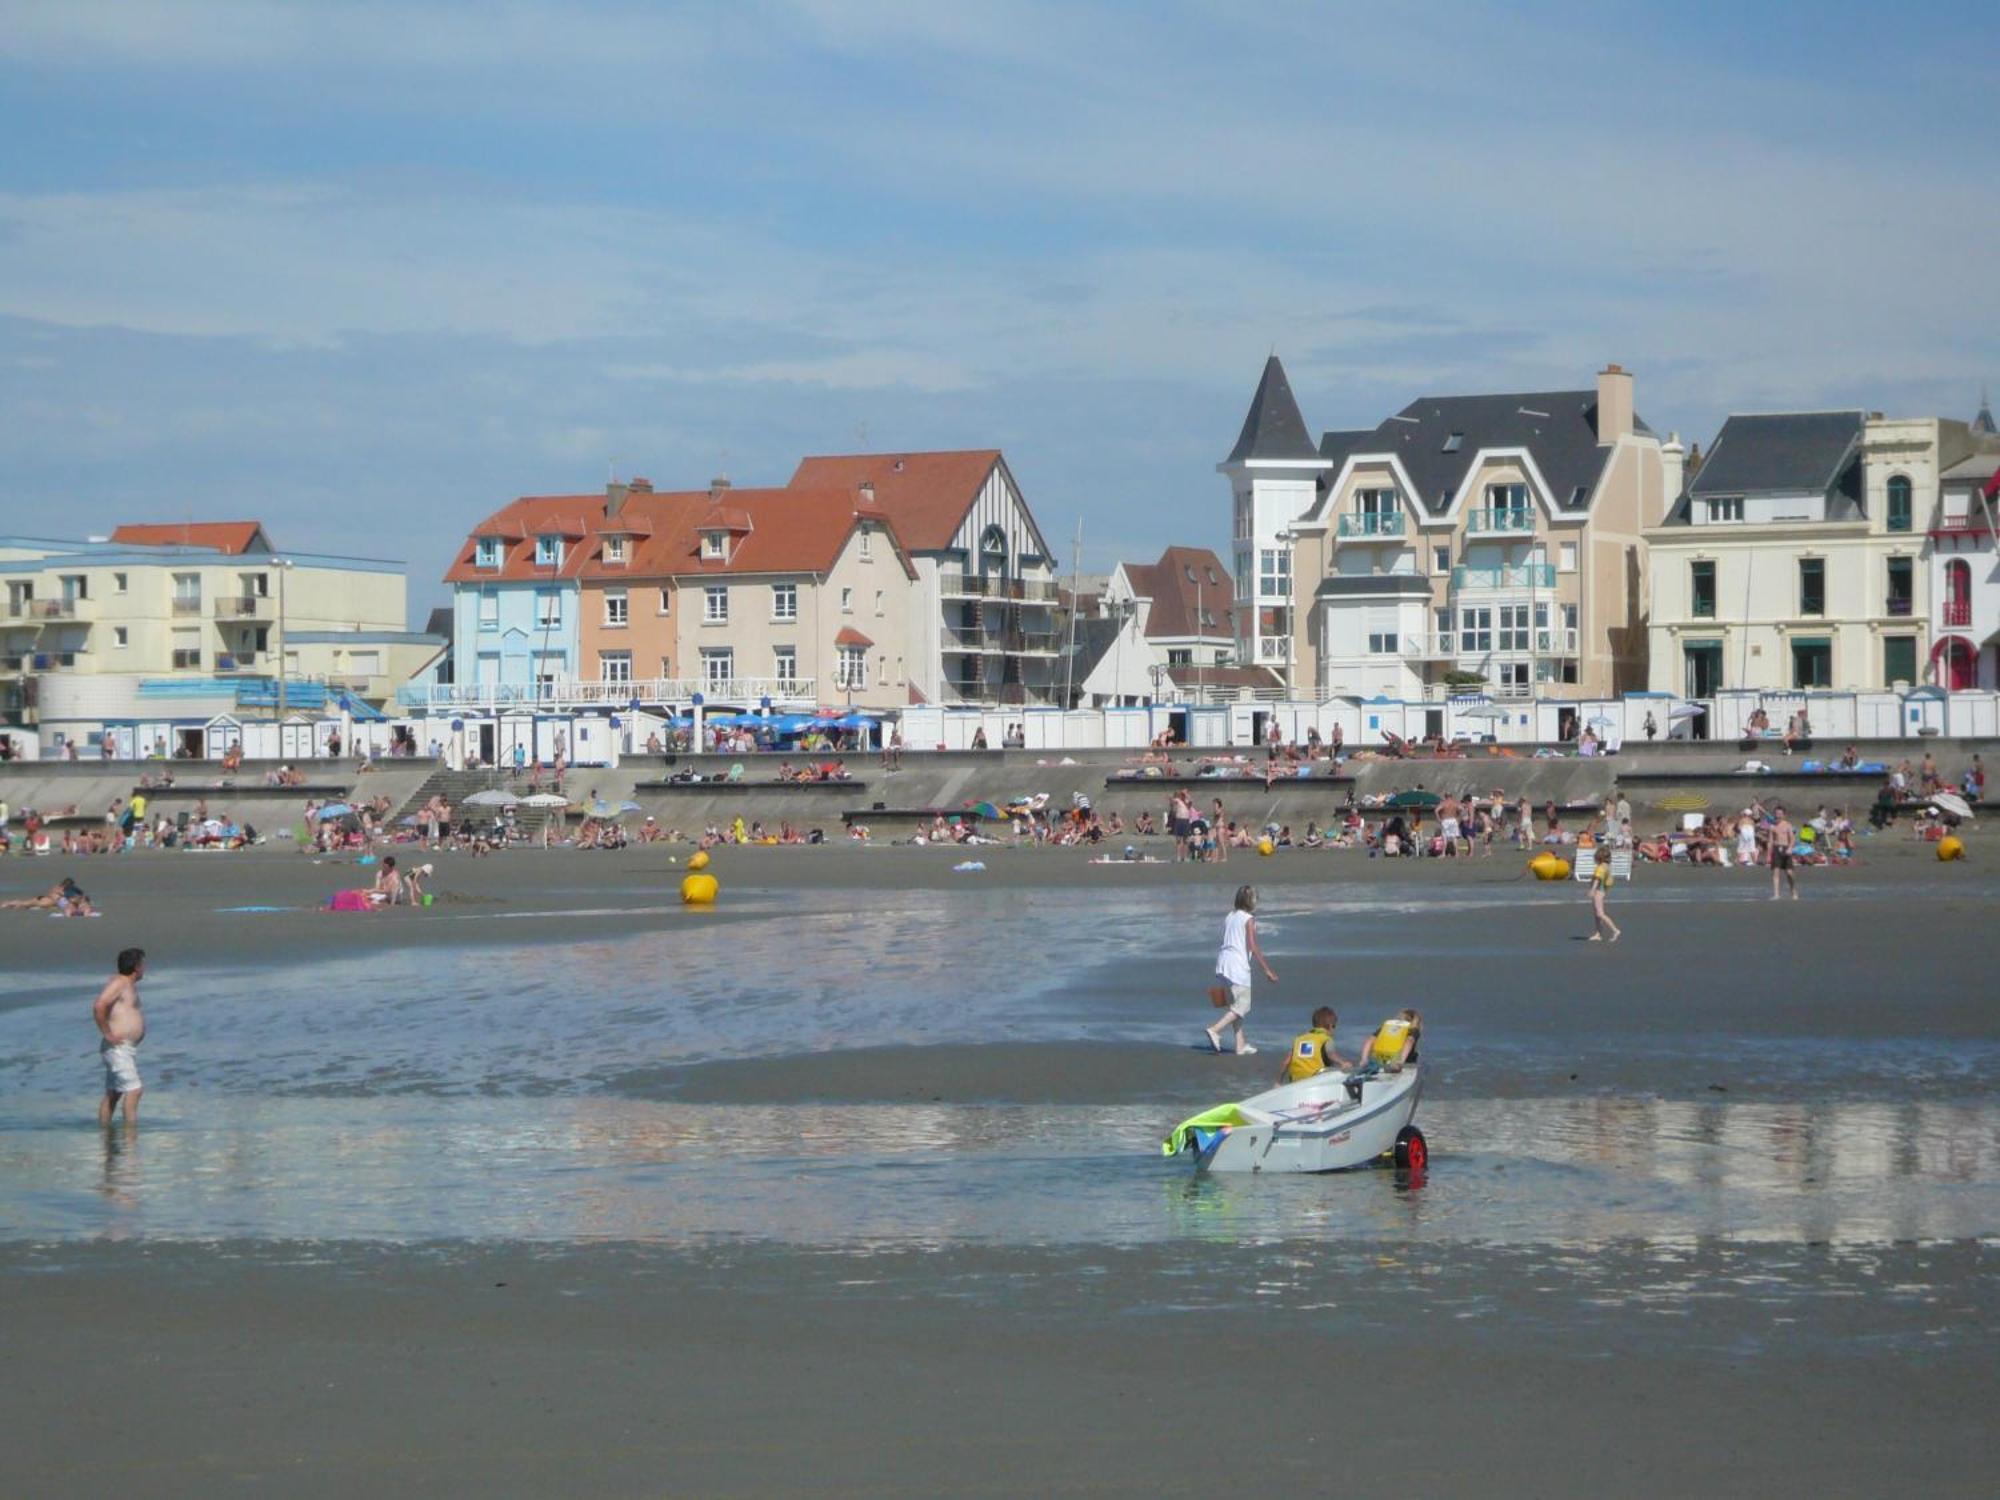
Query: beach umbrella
[[1489, 711], [1601, 721], [1414, 798], [493, 797], [1952, 803], [984, 810], [545, 799], [336, 810], [1685, 711]]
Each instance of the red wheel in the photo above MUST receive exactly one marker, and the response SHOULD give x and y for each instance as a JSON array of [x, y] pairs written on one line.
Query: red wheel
[[1412, 1152]]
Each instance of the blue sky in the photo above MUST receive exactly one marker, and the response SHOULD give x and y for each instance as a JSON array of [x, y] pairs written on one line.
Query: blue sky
[[366, 271]]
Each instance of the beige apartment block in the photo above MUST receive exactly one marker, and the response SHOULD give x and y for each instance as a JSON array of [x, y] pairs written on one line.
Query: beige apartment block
[[1797, 559], [1481, 544], [205, 599]]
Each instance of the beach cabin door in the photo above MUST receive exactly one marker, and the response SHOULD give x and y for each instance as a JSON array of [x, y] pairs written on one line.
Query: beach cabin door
[[590, 744]]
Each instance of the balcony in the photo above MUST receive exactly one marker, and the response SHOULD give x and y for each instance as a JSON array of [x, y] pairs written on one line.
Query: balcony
[[983, 586], [12, 663], [1971, 523], [185, 605], [1500, 522], [1555, 642], [1958, 613], [592, 692], [52, 609], [1514, 576], [1702, 609], [241, 607], [1274, 648], [1365, 525], [1900, 607]]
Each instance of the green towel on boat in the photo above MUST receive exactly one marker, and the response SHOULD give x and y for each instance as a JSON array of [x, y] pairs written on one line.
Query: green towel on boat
[[1208, 1119]]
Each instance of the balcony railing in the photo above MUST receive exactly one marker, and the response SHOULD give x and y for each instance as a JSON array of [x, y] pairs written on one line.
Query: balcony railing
[[593, 693], [1555, 642], [1900, 606], [1274, 648], [1507, 576], [1361, 524], [1972, 523], [241, 607], [11, 663], [1505, 519], [187, 605], [52, 609], [985, 586], [1958, 612], [1703, 609]]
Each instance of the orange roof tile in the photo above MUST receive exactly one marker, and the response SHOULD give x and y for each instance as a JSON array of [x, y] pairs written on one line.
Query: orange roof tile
[[1184, 583], [233, 537], [925, 494]]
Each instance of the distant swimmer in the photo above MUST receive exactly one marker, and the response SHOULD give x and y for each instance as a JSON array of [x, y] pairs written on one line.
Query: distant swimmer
[[1231, 992], [121, 1025]]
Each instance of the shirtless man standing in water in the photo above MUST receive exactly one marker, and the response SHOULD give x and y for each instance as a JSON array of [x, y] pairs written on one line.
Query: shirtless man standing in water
[[122, 1023]]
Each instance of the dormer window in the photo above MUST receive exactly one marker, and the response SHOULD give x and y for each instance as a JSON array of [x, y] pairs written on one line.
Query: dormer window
[[715, 545], [548, 551], [486, 552], [614, 549], [1454, 441]]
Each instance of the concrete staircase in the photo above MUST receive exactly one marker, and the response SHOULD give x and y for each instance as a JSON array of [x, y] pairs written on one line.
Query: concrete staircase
[[456, 786]]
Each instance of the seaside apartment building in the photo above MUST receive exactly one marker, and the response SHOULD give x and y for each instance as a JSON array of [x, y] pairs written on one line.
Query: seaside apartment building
[[1488, 544], [94, 631], [873, 579], [1960, 554], [1810, 552]]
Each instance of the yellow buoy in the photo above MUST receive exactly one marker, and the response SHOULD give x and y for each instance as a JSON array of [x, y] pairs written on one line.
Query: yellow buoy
[[1950, 847], [1265, 846], [1547, 866], [698, 860], [699, 890]]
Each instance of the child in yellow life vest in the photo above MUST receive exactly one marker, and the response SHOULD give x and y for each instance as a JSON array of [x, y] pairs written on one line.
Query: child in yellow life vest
[[1394, 1043], [1312, 1051]]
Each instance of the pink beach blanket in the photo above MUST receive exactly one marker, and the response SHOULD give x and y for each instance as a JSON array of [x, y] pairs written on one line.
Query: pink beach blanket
[[349, 901]]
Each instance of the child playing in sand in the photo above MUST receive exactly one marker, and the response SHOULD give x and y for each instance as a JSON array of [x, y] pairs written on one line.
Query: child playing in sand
[[1231, 991]]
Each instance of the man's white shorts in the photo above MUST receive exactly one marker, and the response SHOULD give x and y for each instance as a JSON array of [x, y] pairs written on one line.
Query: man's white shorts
[[121, 1067]]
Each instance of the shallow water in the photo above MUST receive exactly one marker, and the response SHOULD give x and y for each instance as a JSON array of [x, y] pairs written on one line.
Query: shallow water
[[479, 1092]]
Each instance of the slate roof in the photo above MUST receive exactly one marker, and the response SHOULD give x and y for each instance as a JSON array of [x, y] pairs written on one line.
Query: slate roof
[[1094, 640], [1273, 430], [1558, 427], [1783, 453], [1183, 581], [1983, 423]]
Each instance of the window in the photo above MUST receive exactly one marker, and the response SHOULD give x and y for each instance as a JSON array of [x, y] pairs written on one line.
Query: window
[[1441, 623], [785, 665], [1899, 659], [847, 601], [718, 665], [1441, 558], [1513, 627], [187, 649], [120, 637], [1243, 574], [851, 674], [1180, 656], [187, 593], [867, 533], [1566, 557], [1513, 678], [614, 549], [118, 583], [880, 607], [1900, 585], [784, 601], [617, 612], [1569, 640], [1729, 508], [1812, 585], [715, 605], [1475, 631], [1274, 573], [1899, 504], [1701, 589], [548, 551], [486, 553], [666, 600], [1381, 643], [1703, 661], [548, 669], [548, 610], [614, 666], [1812, 663], [714, 544], [489, 609], [1454, 442], [258, 640], [1957, 592], [1511, 498], [1244, 515]]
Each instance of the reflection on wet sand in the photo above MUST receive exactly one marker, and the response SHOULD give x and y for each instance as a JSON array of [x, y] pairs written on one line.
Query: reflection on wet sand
[[1576, 1172]]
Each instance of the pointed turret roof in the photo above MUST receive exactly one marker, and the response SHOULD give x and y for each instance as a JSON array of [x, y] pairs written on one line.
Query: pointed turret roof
[[1274, 430], [1983, 423]]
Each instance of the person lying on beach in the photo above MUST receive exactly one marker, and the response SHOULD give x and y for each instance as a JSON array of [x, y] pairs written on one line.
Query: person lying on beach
[[44, 902]]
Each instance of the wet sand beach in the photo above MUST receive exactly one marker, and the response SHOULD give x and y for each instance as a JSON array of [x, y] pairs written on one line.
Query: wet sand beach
[[852, 1185]]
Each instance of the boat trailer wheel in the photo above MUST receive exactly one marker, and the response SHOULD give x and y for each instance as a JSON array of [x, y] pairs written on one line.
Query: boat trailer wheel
[[1412, 1154]]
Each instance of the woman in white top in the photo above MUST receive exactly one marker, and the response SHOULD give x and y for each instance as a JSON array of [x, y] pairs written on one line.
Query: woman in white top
[[1746, 839], [1231, 993]]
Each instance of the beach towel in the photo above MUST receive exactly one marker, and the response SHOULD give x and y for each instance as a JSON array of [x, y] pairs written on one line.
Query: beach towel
[[1203, 1128], [348, 901]]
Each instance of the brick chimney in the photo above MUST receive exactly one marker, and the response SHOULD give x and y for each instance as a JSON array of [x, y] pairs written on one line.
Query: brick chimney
[[641, 486], [717, 486], [1614, 404], [867, 492]]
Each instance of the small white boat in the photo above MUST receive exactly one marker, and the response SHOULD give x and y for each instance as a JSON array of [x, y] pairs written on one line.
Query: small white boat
[[1320, 1124]]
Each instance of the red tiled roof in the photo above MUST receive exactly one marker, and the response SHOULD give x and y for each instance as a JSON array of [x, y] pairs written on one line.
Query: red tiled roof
[[925, 494], [233, 537], [849, 636], [1184, 581]]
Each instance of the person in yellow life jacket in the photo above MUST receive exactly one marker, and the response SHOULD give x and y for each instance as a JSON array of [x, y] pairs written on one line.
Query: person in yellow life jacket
[[1600, 887], [1394, 1043], [1312, 1051]]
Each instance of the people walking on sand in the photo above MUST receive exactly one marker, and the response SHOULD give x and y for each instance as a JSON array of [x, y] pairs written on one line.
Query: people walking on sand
[[1231, 991], [121, 1027], [1783, 837], [1600, 888], [1220, 825]]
